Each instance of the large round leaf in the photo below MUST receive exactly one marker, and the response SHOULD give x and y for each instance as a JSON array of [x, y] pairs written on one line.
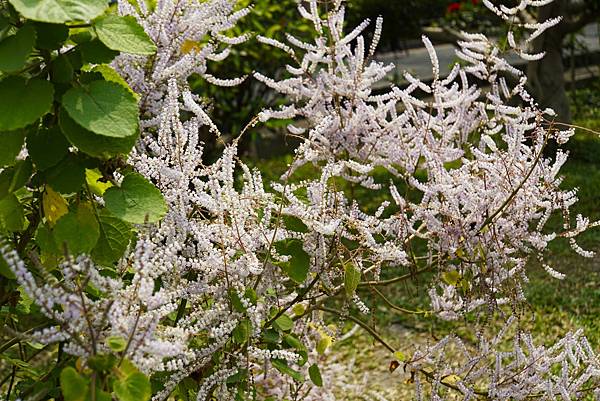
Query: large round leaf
[[68, 176], [94, 145], [15, 49], [50, 36], [47, 147], [124, 34], [73, 385], [22, 103], [115, 235], [105, 108], [134, 387], [298, 266], [12, 216], [78, 230], [12, 143], [59, 11], [96, 52], [136, 200]]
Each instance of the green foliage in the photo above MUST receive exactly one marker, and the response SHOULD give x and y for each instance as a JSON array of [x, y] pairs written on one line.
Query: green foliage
[[136, 200], [73, 385], [116, 344], [77, 121], [132, 386], [315, 375], [123, 34], [15, 49], [47, 147], [78, 230], [284, 323], [115, 235], [299, 262], [99, 146], [351, 279], [241, 333], [286, 370], [23, 101], [12, 142], [11, 214], [59, 11], [103, 107]]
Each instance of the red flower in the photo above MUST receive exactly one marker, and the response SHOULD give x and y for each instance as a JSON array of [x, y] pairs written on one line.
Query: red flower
[[452, 7]]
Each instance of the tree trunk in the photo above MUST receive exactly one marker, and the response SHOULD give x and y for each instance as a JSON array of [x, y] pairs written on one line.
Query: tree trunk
[[547, 76]]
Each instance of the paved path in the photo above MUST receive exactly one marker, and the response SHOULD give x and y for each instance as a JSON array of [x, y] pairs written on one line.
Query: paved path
[[417, 62]]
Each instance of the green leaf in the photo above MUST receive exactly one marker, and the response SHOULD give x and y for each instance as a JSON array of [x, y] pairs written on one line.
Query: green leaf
[[62, 70], [293, 223], [298, 266], [80, 35], [241, 333], [74, 386], [5, 270], [136, 200], [47, 147], [50, 36], [67, 176], [114, 238], [103, 362], [12, 216], [124, 34], [78, 230], [295, 343], [251, 295], [25, 301], [284, 323], [15, 177], [270, 336], [400, 356], [105, 108], [97, 186], [451, 277], [59, 11], [134, 387], [116, 343], [23, 102], [315, 375], [12, 143], [323, 343], [109, 74], [351, 279], [236, 302], [286, 370], [45, 240], [15, 49], [451, 380], [95, 52], [239, 377], [103, 147]]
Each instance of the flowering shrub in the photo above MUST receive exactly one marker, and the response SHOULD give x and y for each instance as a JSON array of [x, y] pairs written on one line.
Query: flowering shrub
[[221, 286]]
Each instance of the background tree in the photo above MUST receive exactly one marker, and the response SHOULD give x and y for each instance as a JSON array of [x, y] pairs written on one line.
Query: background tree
[[547, 76]]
